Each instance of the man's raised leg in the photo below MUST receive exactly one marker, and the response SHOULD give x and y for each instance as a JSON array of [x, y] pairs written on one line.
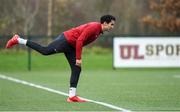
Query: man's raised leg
[[15, 40], [50, 49]]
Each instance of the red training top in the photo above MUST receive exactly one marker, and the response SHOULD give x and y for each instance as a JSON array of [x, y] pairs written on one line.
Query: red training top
[[83, 35]]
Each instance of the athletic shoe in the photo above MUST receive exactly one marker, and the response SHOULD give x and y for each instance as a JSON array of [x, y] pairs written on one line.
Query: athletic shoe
[[13, 41], [75, 99]]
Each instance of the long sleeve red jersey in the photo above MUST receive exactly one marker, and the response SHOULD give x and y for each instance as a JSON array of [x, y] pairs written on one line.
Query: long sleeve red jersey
[[83, 35]]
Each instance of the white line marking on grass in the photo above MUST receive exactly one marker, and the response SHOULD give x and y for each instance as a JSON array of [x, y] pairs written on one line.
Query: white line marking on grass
[[59, 92], [176, 76]]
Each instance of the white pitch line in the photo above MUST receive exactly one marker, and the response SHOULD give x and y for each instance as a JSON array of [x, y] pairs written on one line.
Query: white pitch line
[[59, 92], [176, 76]]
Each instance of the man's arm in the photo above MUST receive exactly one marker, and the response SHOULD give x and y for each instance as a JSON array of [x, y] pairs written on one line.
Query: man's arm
[[79, 43], [78, 62]]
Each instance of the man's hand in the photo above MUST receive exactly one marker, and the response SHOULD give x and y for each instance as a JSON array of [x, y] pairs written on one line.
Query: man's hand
[[78, 62]]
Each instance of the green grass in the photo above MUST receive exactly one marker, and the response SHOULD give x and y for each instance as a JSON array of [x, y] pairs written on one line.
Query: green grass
[[133, 89], [18, 61], [24, 98]]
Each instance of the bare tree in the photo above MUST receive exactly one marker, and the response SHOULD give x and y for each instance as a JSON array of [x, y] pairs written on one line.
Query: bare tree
[[49, 31], [27, 10]]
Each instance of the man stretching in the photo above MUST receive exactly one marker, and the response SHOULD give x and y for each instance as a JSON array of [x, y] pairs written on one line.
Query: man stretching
[[71, 43]]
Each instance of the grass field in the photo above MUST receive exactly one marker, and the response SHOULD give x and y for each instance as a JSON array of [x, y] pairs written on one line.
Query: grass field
[[132, 89]]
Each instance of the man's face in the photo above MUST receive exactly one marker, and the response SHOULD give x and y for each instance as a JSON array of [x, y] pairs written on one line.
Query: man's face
[[109, 26]]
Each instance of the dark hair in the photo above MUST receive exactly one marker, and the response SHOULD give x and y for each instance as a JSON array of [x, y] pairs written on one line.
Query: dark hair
[[107, 18]]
